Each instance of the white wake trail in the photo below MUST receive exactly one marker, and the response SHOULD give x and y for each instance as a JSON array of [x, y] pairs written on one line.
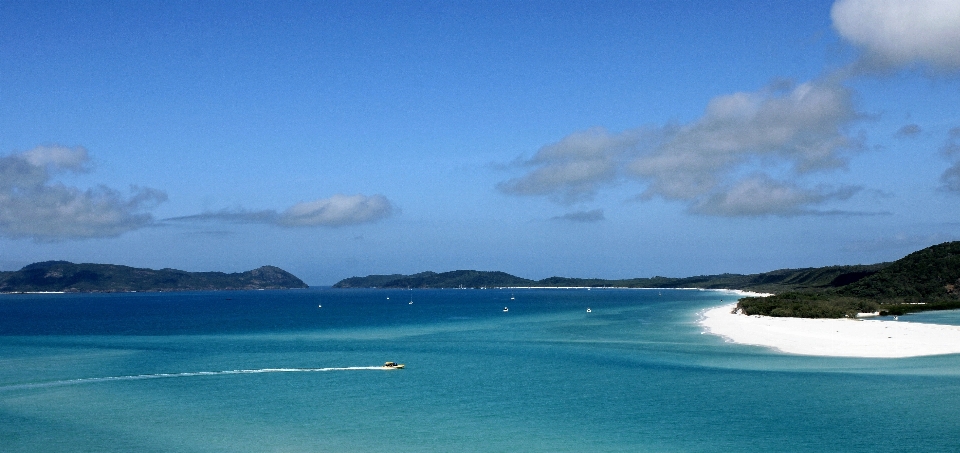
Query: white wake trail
[[187, 374]]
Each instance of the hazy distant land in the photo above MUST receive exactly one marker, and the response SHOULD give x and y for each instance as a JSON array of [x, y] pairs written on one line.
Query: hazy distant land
[[64, 276], [925, 280], [769, 282]]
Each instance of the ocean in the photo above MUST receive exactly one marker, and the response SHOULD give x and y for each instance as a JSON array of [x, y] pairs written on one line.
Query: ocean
[[298, 371]]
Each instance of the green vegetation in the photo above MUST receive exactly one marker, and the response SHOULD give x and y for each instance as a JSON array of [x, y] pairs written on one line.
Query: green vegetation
[[925, 280], [815, 279], [49, 276]]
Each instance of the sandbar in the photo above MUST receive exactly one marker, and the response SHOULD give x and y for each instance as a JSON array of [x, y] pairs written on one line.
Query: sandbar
[[833, 337]]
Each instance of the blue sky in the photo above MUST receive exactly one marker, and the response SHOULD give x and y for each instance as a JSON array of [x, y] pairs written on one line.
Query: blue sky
[[600, 139]]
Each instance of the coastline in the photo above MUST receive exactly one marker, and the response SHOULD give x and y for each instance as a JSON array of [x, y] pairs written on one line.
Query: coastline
[[832, 337]]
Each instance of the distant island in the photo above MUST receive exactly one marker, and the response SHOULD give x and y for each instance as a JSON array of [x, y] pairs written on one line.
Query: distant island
[[64, 276], [925, 280], [770, 282]]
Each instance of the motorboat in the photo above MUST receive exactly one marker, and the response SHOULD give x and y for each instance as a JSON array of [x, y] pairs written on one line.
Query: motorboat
[[393, 365], [505, 309]]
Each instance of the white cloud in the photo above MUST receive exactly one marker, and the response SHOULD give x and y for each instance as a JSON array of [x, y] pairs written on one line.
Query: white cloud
[[32, 206], [896, 33], [338, 210], [760, 195], [574, 168], [800, 127], [61, 157]]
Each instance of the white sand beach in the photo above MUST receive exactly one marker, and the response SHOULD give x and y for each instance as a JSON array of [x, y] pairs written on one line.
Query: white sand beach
[[833, 337]]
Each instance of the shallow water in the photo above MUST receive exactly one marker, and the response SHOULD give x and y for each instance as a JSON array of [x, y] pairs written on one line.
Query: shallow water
[[298, 371]]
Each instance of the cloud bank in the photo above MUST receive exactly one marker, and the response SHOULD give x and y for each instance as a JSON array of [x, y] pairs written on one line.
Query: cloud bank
[[713, 165], [898, 33], [338, 210], [33, 206]]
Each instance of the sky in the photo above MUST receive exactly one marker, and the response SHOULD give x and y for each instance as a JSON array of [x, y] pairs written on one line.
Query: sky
[[578, 139]]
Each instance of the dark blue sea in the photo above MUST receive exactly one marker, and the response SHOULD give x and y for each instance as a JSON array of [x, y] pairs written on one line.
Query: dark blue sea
[[298, 371]]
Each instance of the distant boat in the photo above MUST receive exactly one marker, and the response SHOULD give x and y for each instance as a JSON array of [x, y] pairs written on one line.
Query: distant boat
[[393, 366], [319, 306], [589, 310], [511, 296], [505, 309]]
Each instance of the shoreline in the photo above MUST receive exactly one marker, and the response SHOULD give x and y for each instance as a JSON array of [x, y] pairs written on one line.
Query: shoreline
[[832, 337]]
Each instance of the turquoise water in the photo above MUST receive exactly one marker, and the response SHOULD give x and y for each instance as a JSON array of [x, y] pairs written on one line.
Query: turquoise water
[[274, 371]]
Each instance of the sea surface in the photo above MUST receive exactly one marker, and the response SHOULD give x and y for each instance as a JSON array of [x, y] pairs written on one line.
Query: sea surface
[[298, 371]]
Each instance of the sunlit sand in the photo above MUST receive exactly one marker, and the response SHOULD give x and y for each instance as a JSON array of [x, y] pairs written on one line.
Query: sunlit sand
[[833, 337]]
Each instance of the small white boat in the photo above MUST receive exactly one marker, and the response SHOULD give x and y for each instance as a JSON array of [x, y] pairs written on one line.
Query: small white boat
[[393, 365], [505, 309], [589, 310], [511, 296]]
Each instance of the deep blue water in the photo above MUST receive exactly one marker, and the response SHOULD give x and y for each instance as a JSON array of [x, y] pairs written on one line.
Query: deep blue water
[[156, 372]]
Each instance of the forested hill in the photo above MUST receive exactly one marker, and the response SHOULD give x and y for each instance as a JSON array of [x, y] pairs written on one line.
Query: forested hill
[[925, 280], [814, 279], [65, 276]]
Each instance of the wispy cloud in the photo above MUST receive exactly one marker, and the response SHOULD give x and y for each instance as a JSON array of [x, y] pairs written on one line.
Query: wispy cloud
[[950, 179], [909, 131], [901, 33], [802, 127], [593, 215], [761, 195], [33, 206], [574, 168], [338, 210], [703, 163], [725, 163], [951, 148]]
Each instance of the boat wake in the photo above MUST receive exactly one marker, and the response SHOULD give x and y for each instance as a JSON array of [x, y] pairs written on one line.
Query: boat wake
[[138, 377]]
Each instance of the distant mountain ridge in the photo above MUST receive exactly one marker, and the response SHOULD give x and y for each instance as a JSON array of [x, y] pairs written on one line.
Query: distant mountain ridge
[[64, 276], [775, 281]]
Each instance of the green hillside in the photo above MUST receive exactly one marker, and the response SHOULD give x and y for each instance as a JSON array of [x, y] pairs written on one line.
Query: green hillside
[[54, 276], [925, 280], [810, 279]]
